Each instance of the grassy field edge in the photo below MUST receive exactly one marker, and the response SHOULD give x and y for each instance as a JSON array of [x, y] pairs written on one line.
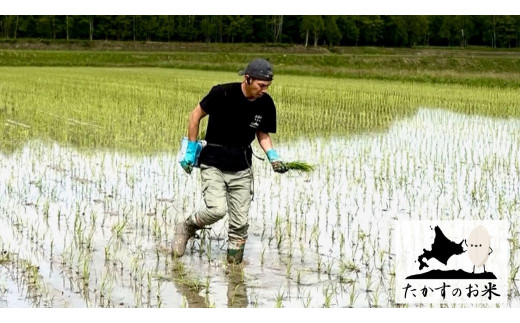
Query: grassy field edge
[[470, 66]]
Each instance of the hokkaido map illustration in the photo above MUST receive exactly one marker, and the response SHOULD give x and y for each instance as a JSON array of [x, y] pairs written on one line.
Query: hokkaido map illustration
[[442, 250]]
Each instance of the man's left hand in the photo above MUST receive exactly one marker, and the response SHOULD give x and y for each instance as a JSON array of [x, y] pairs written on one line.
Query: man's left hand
[[279, 167]]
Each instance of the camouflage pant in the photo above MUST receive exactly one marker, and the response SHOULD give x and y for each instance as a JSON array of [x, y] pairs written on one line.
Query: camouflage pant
[[225, 192]]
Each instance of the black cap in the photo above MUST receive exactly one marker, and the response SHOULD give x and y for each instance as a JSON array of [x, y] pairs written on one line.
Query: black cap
[[259, 69]]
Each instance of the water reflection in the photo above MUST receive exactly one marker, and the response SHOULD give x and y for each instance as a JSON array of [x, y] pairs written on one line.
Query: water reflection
[[237, 288]]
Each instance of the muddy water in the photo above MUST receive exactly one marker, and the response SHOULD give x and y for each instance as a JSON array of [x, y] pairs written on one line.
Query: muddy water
[[93, 229]]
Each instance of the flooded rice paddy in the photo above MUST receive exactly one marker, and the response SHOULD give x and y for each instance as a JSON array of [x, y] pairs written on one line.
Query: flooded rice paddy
[[93, 228]]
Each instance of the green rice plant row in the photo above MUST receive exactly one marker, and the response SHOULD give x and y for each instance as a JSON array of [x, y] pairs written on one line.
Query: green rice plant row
[[145, 110]]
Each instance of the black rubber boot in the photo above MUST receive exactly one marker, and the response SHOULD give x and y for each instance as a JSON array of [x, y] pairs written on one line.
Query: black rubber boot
[[235, 252]]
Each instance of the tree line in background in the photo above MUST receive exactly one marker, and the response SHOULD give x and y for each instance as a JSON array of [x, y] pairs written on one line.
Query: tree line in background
[[391, 31]]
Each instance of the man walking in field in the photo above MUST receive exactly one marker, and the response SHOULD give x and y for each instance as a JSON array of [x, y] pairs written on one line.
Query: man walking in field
[[237, 113]]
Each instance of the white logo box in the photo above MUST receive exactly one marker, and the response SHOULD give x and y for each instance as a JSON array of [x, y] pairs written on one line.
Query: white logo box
[[411, 238]]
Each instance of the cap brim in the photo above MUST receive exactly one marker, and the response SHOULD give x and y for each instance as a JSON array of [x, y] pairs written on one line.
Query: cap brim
[[258, 77], [263, 78]]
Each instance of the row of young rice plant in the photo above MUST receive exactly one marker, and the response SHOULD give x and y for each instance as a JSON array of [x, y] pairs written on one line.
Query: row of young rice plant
[[145, 110], [83, 226]]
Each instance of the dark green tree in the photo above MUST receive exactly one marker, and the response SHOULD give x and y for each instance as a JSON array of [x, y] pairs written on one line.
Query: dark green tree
[[463, 29], [27, 26], [208, 27], [45, 27], [277, 27], [371, 29], [332, 33], [124, 29], [447, 29], [506, 31], [291, 29], [517, 30], [9, 26], [349, 30], [306, 27], [238, 27], [106, 27], [396, 31], [416, 29], [149, 26], [314, 26]]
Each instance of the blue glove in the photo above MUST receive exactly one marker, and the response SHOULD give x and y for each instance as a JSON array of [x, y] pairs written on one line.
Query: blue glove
[[189, 157], [272, 155], [276, 163]]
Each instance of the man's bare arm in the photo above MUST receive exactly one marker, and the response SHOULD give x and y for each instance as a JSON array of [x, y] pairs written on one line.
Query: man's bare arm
[[264, 140], [193, 125]]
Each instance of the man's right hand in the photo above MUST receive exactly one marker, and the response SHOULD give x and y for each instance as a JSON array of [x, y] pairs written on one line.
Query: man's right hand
[[189, 157]]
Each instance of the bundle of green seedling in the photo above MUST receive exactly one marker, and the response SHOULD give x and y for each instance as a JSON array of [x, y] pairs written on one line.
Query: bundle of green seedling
[[299, 166]]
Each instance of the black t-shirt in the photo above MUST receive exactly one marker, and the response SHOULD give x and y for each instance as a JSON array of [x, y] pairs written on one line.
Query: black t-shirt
[[232, 125]]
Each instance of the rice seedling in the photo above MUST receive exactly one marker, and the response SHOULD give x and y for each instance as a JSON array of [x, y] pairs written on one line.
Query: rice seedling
[[106, 287], [232, 301], [118, 229], [329, 266], [85, 270], [375, 298], [353, 295], [254, 296], [302, 253], [3, 288], [299, 166], [307, 300], [288, 268], [279, 296], [184, 302], [262, 257], [327, 293], [513, 273]]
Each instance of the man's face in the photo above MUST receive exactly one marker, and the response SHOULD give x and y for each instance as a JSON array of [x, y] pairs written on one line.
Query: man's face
[[257, 88]]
